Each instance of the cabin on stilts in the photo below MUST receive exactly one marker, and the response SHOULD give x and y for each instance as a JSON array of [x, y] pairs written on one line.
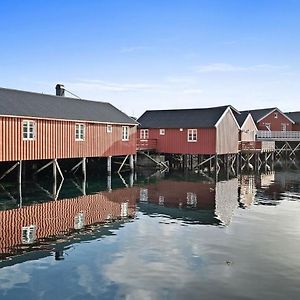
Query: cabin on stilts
[[277, 127], [47, 129], [191, 138]]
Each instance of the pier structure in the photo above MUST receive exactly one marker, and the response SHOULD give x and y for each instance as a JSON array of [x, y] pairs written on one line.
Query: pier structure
[[40, 131]]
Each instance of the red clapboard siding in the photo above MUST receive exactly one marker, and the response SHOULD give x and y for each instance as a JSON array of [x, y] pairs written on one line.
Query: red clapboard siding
[[56, 139], [57, 217]]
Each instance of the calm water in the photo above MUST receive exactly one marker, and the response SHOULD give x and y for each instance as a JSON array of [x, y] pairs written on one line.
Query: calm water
[[177, 237]]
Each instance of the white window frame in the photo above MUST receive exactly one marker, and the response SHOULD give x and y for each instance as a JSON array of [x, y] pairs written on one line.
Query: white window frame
[[28, 135], [80, 128], [144, 134], [192, 135], [268, 126], [162, 131], [276, 115], [125, 133], [283, 127], [109, 128]]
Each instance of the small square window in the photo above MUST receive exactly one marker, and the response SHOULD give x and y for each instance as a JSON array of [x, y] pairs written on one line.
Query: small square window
[[161, 131], [109, 128], [276, 115]]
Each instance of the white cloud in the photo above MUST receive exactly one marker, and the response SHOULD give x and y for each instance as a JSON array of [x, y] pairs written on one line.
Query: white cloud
[[224, 67]]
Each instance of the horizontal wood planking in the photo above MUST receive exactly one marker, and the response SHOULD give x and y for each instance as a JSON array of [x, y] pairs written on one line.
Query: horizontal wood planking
[[56, 139]]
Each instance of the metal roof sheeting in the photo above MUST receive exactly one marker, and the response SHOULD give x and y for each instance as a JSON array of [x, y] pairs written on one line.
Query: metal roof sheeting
[[182, 118], [29, 104]]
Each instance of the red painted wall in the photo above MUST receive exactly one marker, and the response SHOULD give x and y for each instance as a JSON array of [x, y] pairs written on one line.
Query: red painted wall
[[275, 123], [175, 141], [56, 139], [296, 127]]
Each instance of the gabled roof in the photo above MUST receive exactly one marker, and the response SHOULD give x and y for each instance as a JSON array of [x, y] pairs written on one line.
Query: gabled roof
[[294, 115], [241, 117], [29, 104], [183, 118], [258, 114]]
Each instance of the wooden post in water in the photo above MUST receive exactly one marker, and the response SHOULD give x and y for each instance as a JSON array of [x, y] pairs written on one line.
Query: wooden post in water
[[109, 165], [131, 162]]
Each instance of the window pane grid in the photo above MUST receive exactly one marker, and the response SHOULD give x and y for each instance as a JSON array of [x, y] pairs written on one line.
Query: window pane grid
[[28, 130]]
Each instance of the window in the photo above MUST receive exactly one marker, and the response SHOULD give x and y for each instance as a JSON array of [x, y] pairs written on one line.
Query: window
[[283, 127], [79, 220], [268, 126], [79, 132], [161, 131], [192, 135], [109, 128], [191, 199], [28, 234], [143, 195], [125, 133], [275, 115], [28, 130], [144, 134], [124, 209]]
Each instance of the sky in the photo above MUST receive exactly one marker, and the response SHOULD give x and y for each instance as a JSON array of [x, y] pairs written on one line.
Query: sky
[[155, 54]]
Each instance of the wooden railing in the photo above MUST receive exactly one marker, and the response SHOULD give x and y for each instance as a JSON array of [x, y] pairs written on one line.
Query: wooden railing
[[146, 144], [253, 146], [249, 146], [278, 135]]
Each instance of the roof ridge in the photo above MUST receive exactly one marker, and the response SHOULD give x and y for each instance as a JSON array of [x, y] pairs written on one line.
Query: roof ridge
[[185, 109], [50, 95]]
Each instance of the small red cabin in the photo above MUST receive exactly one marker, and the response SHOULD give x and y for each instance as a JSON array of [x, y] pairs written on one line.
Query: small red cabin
[[189, 131]]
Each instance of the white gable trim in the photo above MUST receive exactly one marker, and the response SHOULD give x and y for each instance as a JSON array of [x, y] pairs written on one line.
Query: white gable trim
[[249, 116], [224, 114], [279, 112]]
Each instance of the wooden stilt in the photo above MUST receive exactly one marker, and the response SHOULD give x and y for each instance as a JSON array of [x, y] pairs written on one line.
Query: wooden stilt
[[131, 162], [9, 170], [109, 165]]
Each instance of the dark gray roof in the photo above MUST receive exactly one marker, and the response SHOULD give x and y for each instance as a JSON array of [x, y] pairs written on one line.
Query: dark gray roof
[[241, 117], [182, 118], [258, 113], [29, 104], [294, 115]]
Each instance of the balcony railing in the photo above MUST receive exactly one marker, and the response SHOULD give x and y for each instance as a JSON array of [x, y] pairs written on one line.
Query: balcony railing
[[257, 146], [146, 144], [279, 135]]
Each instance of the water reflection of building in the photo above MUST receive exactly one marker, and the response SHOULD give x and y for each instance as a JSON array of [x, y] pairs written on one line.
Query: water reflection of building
[[247, 190], [226, 199], [29, 224], [196, 202]]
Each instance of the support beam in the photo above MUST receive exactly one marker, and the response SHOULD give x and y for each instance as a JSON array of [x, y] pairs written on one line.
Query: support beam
[[84, 168], [131, 162], [123, 163], [43, 167], [109, 165], [9, 170]]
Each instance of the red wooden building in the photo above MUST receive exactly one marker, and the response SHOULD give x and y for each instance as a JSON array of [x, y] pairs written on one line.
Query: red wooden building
[[207, 131], [271, 119], [295, 116], [36, 126]]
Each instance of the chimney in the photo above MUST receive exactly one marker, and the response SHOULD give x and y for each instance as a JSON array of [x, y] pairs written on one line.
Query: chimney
[[60, 90]]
